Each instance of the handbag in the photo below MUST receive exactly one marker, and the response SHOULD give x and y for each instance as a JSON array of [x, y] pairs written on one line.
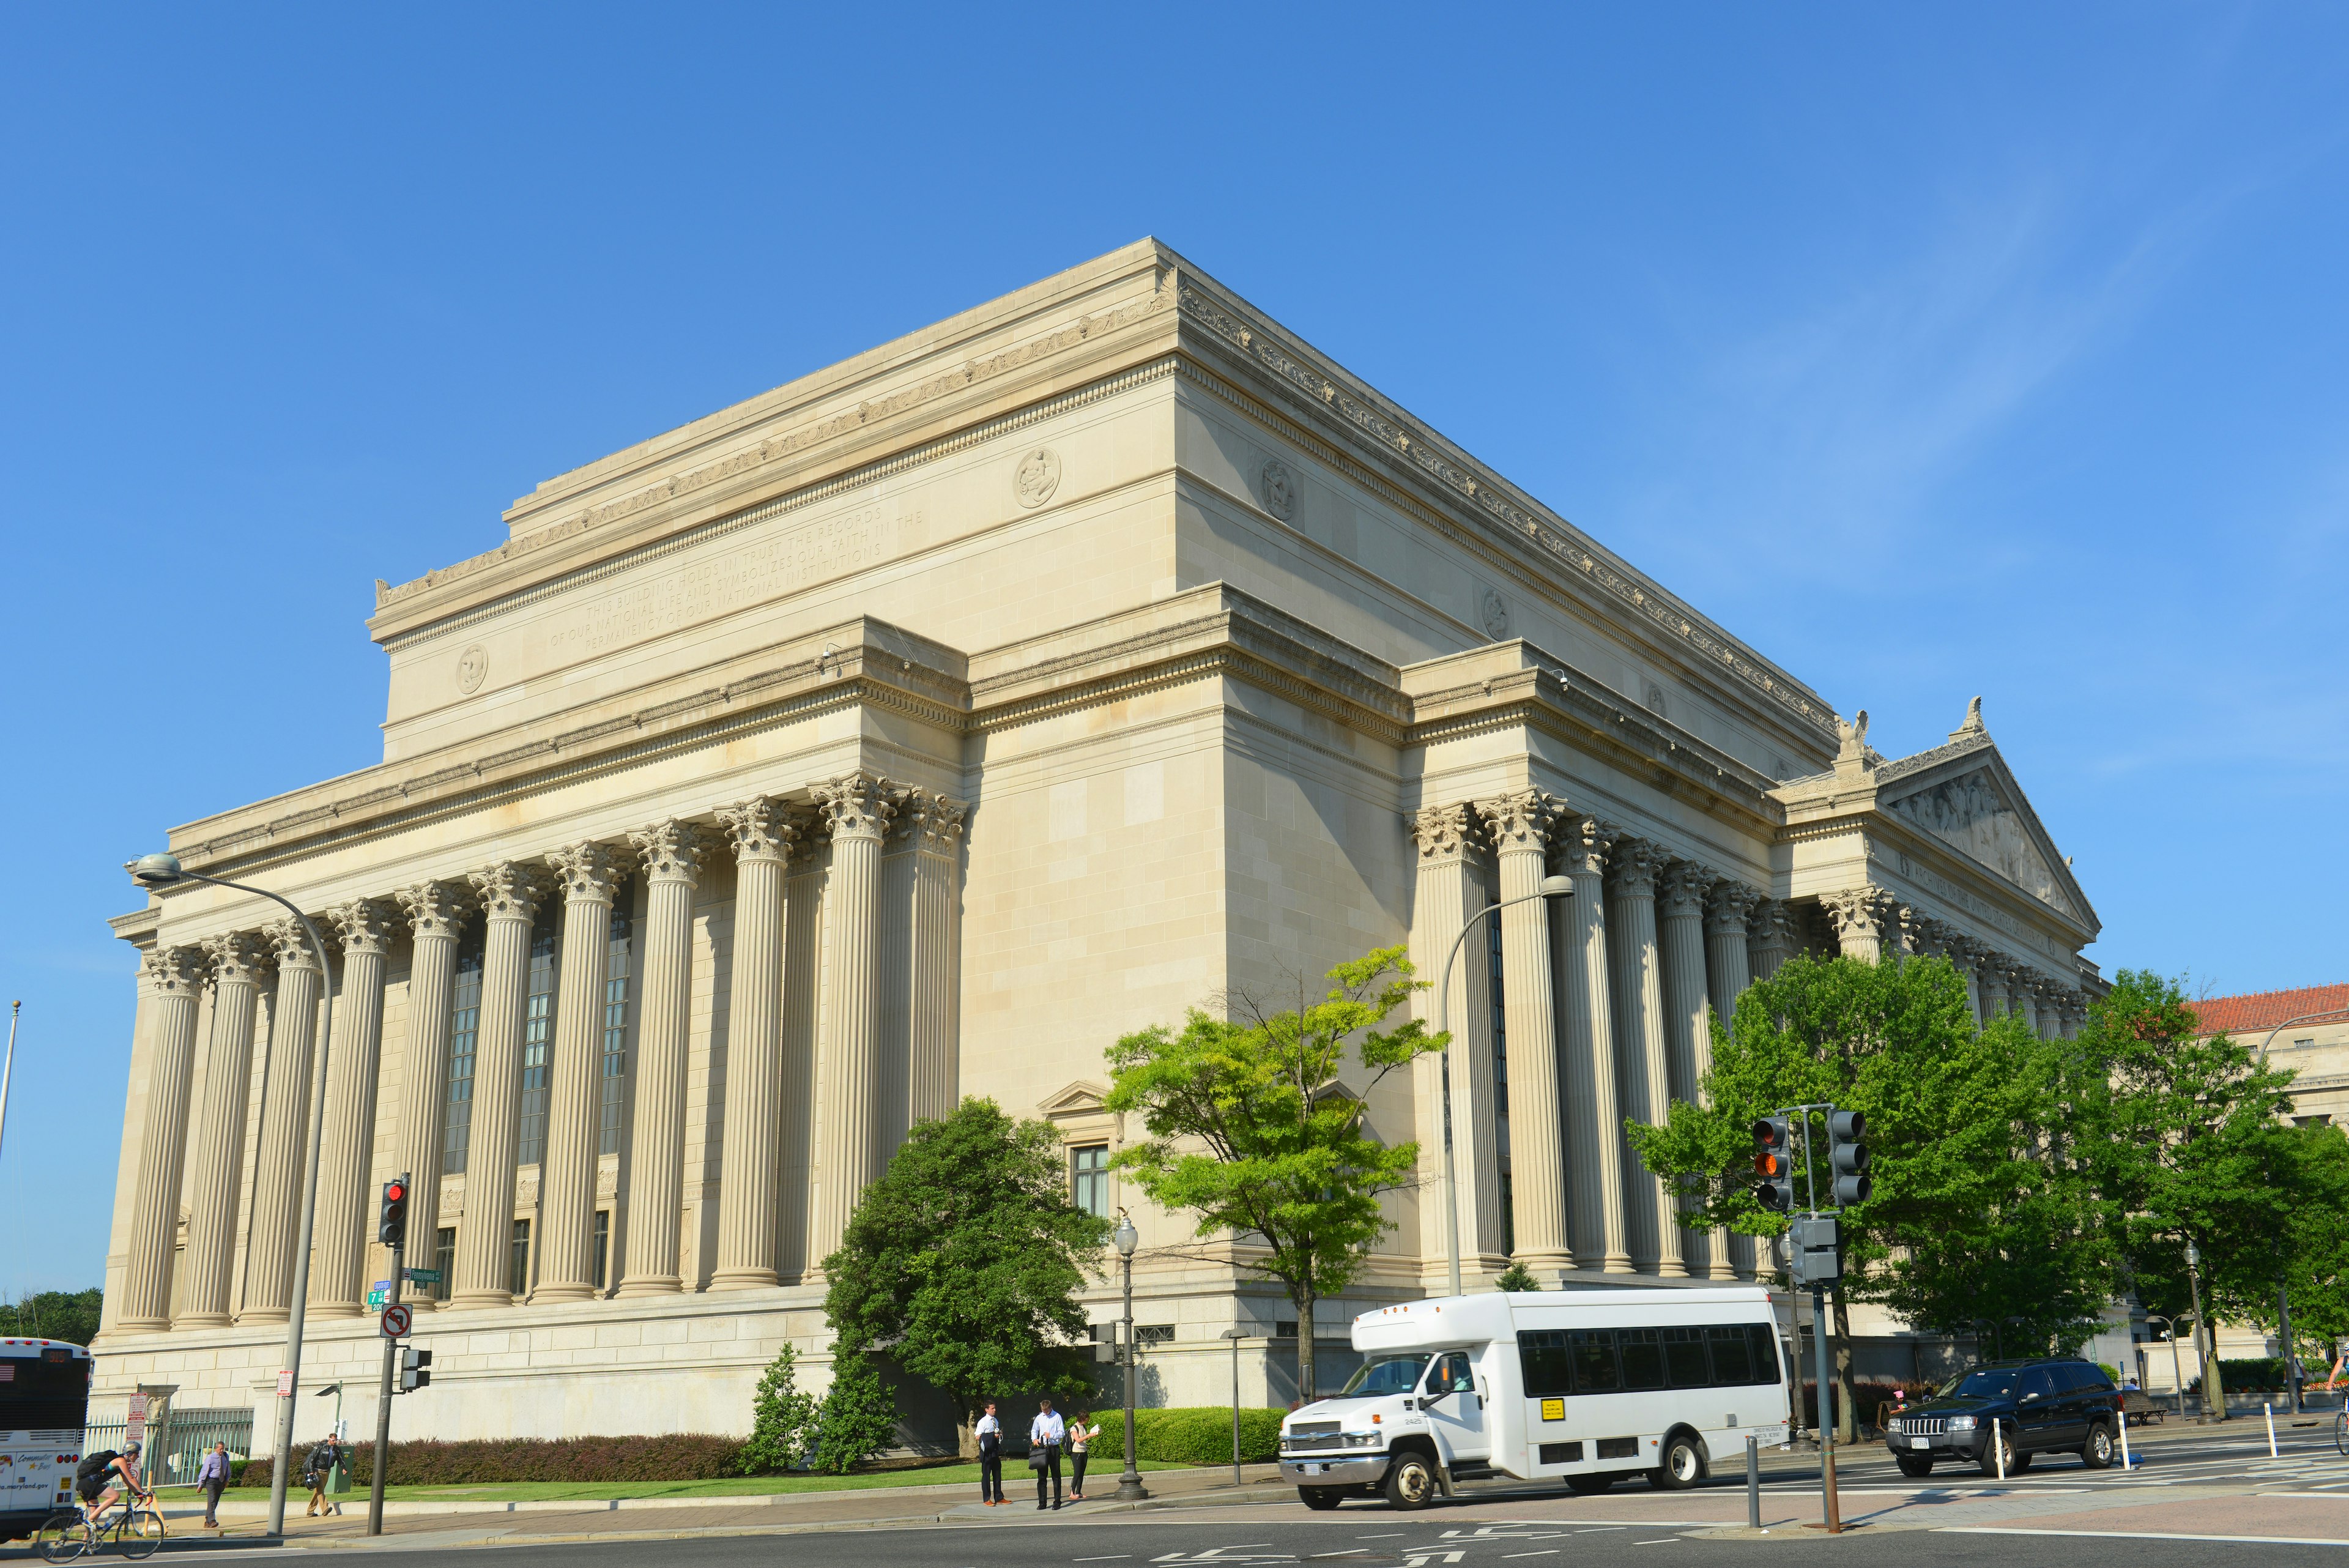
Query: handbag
[[1039, 1457]]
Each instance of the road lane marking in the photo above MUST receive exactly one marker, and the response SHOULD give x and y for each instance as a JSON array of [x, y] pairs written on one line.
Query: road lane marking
[[2147, 1535], [1551, 1553]]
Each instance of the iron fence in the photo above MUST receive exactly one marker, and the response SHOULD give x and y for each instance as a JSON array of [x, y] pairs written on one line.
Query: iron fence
[[176, 1448]]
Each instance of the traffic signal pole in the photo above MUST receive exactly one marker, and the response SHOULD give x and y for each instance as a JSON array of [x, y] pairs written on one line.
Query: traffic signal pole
[[399, 1240], [1827, 1426]]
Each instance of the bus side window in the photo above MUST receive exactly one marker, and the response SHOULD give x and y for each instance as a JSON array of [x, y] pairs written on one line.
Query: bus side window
[[1642, 1358], [1684, 1360], [1593, 1362], [1542, 1357], [1733, 1356], [1764, 1338]]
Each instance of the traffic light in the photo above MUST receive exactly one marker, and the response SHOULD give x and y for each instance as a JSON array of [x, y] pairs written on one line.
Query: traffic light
[[1815, 1250], [1847, 1157], [391, 1229], [415, 1368], [1773, 1163]]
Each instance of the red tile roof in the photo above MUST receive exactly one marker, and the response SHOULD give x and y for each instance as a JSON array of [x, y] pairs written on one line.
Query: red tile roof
[[2259, 1010]]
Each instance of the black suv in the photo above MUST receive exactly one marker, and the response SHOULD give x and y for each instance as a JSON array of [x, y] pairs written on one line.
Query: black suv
[[2056, 1405]]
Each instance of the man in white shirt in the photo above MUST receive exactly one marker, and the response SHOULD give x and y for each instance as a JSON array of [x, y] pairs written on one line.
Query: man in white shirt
[[1046, 1433], [989, 1432]]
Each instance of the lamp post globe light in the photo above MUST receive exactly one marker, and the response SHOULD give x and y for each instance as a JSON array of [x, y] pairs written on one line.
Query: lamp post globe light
[[1129, 1485], [1551, 887], [157, 871]]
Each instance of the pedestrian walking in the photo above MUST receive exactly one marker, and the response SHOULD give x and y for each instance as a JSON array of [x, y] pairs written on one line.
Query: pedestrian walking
[[1080, 1436], [1046, 1433], [316, 1471], [990, 1457], [213, 1476]]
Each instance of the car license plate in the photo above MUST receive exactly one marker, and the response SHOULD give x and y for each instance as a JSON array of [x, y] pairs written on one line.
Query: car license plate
[[1920, 1442]]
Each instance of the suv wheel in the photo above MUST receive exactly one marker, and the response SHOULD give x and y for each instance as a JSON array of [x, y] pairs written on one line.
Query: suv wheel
[[1411, 1482], [1681, 1465], [1915, 1466], [2016, 1461], [2097, 1452]]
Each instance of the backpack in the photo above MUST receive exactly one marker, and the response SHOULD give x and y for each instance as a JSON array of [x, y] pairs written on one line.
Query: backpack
[[95, 1464]]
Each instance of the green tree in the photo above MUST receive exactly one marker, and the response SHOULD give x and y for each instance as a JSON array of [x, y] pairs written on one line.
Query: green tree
[[964, 1262], [782, 1421], [1973, 1202], [1515, 1277], [858, 1417], [1251, 1133], [2191, 1145], [70, 1315]]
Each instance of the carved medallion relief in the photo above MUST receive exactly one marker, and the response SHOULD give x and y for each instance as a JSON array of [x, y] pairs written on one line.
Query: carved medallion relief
[[472, 668], [1495, 614], [1280, 491], [1037, 477]]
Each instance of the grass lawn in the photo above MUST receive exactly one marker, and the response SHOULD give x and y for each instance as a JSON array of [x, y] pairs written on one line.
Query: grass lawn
[[1015, 1473]]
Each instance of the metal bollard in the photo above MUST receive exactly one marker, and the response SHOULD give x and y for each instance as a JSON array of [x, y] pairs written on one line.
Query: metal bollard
[[1753, 1484], [1998, 1446], [2270, 1408]]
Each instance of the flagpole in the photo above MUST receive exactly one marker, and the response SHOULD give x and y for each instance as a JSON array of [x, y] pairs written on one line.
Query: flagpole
[[8, 1068]]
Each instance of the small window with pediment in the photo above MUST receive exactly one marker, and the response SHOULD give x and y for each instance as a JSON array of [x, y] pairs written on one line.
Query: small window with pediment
[[1089, 1177]]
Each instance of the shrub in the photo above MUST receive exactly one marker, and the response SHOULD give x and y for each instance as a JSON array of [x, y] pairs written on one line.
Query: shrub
[[857, 1419], [1193, 1435], [692, 1455], [782, 1421], [2245, 1373]]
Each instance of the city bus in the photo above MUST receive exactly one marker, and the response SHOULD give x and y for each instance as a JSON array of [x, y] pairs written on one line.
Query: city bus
[[44, 1409]]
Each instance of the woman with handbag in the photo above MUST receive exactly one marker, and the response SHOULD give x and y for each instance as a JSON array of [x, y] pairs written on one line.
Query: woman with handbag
[[1079, 1435]]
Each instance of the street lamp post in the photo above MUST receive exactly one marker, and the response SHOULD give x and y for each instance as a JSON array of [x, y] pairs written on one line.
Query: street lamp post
[[1551, 887], [153, 871], [1235, 1336], [1129, 1485], [2176, 1370], [2206, 1360]]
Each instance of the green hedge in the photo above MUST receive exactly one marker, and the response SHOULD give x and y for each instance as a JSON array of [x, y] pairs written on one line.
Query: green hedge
[[2243, 1374], [684, 1457], [1192, 1435]]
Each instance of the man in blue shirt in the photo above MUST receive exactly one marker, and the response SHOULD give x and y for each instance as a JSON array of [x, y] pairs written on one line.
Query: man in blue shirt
[[1045, 1436]]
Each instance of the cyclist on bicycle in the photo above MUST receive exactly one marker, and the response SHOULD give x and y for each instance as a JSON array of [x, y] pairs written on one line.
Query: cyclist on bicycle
[[99, 1492]]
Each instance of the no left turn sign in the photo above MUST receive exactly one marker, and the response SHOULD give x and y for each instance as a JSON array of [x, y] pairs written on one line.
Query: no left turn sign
[[395, 1319]]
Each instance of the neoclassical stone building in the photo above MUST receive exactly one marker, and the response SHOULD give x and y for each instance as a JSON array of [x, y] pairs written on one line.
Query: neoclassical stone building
[[912, 732]]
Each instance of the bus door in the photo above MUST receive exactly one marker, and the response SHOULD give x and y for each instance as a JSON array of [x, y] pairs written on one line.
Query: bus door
[[1454, 1407]]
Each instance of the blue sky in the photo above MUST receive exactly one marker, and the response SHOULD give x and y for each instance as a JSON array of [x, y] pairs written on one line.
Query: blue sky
[[1992, 349]]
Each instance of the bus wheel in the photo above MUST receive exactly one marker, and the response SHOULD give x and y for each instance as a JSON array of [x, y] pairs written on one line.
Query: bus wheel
[[1590, 1486], [1321, 1499], [1411, 1482], [1681, 1465]]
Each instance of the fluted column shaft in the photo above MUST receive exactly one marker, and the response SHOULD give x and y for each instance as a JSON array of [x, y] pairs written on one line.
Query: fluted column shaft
[[509, 899], [1450, 884], [284, 1130], [748, 1233], [239, 964], [1519, 827], [671, 853], [342, 1233], [1644, 1049], [1990, 979], [1688, 1025], [1727, 975], [936, 822], [435, 912], [1594, 1116], [574, 1079], [174, 981], [857, 809]]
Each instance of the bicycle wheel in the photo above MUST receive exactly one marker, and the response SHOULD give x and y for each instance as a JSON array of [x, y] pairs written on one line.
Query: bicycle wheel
[[140, 1535], [2341, 1431], [62, 1536]]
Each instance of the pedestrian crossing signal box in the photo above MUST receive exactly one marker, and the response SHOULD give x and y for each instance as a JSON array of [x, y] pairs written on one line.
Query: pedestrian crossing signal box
[[1815, 1250], [415, 1368]]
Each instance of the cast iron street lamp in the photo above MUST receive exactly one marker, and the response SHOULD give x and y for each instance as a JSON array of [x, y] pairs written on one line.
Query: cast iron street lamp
[[1551, 887], [1129, 1485], [1235, 1336], [154, 871]]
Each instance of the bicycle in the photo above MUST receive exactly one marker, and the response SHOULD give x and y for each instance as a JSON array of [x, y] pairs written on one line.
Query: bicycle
[[2341, 1430], [68, 1533]]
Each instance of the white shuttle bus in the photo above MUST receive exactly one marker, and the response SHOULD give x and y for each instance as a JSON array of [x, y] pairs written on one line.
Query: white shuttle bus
[[1588, 1386]]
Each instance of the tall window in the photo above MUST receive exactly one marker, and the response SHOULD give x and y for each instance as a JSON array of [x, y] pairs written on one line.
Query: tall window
[[1089, 1177], [464, 1033], [518, 1263], [444, 1261], [615, 1084], [602, 1244], [538, 1030]]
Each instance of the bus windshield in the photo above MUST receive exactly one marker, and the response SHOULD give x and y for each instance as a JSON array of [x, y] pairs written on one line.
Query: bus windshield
[[1388, 1374]]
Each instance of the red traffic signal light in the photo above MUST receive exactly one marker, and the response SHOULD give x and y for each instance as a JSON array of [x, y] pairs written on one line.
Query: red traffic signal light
[[1773, 1163], [391, 1225]]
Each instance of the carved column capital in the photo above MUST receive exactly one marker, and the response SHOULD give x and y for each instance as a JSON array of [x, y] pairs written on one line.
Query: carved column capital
[[289, 944], [1683, 887], [1444, 832], [238, 957], [858, 804], [933, 820], [761, 828], [587, 871], [1583, 843], [175, 971], [1857, 912], [1632, 866], [671, 851], [364, 925], [434, 908], [1729, 911], [1520, 821], [508, 891]]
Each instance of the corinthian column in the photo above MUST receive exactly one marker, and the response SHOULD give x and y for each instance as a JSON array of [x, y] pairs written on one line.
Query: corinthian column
[[1726, 978], [509, 896], [365, 928], [857, 809], [1688, 1026], [1858, 915], [934, 823], [435, 912], [1519, 826], [672, 853], [748, 1234], [1449, 884], [174, 977], [1642, 1048], [1991, 973], [567, 1186], [240, 963], [1773, 939], [1594, 1116], [285, 1129]]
